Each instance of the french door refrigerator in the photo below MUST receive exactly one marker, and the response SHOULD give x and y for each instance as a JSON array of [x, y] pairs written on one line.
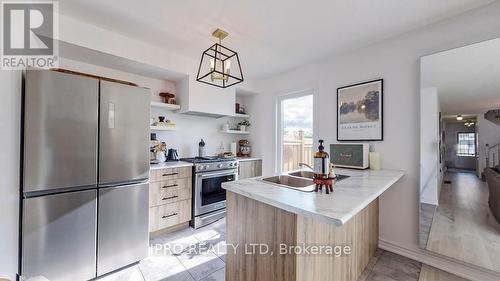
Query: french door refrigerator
[[85, 169]]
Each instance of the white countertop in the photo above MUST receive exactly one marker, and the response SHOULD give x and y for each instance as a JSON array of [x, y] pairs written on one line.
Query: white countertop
[[349, 196], [172, 164], [248, 158], [179, 164]]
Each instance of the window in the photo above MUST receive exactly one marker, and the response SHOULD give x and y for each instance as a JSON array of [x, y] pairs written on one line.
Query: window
[[466, 144], [295, 130]]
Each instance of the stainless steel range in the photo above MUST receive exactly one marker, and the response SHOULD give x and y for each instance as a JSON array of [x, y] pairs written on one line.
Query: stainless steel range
[[209, 198]]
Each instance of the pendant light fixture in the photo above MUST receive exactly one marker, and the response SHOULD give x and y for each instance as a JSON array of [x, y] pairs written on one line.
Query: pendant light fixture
[[469, 123], [219, 65], [459, 117]]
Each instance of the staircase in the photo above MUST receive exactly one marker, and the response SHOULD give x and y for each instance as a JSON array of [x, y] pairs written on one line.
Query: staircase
[[493, 154], [493, 116]]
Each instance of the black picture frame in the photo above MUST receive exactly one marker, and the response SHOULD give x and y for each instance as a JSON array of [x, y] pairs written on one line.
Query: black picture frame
[[381, 105]]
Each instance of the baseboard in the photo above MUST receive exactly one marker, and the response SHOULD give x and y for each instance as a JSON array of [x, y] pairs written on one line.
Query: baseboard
[[456, 267]]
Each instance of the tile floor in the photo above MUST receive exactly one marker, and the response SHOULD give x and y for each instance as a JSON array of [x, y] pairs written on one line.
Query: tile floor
[[199, 255], [186, 255]]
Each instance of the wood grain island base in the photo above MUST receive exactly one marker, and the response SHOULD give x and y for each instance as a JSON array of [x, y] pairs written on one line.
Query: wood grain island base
[[251, 223]]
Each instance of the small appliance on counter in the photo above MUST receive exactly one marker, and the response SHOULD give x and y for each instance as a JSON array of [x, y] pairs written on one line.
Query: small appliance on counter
[[350, 155], [153, 145], [245, 148], [161, 151], [172, 155]]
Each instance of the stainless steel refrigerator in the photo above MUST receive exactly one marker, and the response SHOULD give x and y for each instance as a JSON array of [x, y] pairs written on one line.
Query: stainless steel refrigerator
[[85, 172]]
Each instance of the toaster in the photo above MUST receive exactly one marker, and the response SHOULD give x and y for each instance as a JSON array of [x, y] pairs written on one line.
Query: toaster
[[350, 155]]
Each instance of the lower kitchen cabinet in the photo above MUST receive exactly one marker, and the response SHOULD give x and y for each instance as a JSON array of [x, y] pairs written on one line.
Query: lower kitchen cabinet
[[250, 169], [169, 215], [170, 197]]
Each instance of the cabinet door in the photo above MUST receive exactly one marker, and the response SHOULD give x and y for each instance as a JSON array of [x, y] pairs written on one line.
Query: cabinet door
[[250, 169]]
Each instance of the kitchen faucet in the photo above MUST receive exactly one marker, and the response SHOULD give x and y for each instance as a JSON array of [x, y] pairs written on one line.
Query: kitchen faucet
[[306, 165]]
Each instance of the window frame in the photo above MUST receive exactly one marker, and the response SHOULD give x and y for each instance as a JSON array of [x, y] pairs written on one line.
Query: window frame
[[474, 145], [279, 121]]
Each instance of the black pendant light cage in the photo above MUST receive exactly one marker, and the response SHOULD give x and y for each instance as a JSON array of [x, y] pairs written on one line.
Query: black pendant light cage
[[220, 56]]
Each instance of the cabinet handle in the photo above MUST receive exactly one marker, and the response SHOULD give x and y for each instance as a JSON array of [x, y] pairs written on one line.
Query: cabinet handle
[[171, 197], [167, 216], [167, 186], [172, 174]]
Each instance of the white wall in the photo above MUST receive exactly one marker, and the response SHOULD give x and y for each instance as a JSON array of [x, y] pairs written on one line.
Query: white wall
[[397, 61], [429, 147], [488, 133], [10, 116]]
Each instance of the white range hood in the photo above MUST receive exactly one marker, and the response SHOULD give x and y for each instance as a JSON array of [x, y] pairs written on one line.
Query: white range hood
[[200, 99]]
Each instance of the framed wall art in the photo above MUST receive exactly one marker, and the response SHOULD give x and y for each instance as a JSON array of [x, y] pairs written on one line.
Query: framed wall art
[[360, 111]]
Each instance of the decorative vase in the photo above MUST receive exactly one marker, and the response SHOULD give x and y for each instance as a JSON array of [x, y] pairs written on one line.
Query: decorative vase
[[243, 128]]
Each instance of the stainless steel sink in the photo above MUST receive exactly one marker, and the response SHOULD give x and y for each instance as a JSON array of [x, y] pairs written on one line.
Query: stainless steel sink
[[310, 175], [298, 180], [302, 174], [292, 182]]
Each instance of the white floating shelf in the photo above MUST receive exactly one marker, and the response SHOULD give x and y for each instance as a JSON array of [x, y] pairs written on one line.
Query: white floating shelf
[[239, 115], [165, 105], [237, 132], [161, 128]]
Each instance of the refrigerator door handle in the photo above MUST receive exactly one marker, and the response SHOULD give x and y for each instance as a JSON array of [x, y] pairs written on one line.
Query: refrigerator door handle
[[111, 115]]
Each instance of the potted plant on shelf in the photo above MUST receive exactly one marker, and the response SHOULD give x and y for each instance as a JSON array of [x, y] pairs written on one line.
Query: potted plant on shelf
[[243, 125]]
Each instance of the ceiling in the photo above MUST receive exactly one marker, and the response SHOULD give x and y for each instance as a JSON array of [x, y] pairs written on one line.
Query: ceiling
[[270, 36], [467, 78]]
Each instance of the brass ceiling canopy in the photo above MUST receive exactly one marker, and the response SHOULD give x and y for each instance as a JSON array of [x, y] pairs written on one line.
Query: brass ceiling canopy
[[219, 65], [219, 33]]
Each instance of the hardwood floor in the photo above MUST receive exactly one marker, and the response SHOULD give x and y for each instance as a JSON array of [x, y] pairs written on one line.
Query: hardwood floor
[[463, 227]]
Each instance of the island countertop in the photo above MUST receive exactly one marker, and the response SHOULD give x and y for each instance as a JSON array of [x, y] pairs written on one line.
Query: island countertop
[[349, 196]]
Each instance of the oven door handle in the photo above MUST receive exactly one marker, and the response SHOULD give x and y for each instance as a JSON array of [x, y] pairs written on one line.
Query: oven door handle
[[211, 175]]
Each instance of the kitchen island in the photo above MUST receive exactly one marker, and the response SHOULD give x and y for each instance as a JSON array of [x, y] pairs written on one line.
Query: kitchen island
[[279, 233]]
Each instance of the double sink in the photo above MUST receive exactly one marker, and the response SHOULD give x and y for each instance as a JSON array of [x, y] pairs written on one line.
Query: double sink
[[299, 180]]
